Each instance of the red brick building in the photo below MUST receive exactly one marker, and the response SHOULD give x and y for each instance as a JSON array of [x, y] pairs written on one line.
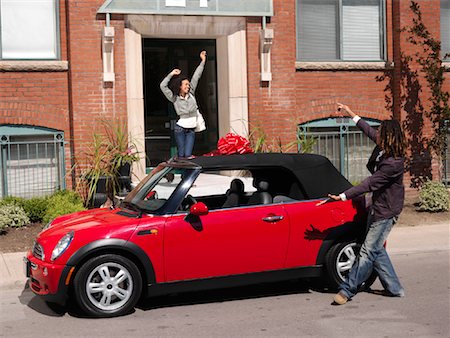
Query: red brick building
[[273, 65]]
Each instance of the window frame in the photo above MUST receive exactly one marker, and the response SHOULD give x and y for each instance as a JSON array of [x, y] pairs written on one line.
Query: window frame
[[57, 37], [382, 32], [445, 59]]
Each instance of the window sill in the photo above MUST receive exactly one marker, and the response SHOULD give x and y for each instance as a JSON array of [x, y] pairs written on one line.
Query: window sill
[[446, 65], [33, 66], [344, 65]]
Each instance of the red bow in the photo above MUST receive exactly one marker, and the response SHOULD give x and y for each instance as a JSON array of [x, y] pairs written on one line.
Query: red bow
[[232, 144]]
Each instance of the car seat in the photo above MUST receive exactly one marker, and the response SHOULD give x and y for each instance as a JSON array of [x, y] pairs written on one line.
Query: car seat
[[261, 196], [234, 194]]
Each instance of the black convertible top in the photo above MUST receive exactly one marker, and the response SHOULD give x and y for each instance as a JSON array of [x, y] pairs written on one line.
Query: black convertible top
[[316, 174]]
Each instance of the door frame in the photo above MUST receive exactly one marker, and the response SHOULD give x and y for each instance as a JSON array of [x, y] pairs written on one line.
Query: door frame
[[231, 49]]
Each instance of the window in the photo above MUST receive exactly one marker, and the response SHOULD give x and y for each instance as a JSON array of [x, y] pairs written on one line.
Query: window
[[29, 29], [445, 28], [331, 30]]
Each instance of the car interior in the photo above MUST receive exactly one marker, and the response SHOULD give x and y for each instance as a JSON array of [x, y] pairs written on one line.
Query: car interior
[[269, 185]]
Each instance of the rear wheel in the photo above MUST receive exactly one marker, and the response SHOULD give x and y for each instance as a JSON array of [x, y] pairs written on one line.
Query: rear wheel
[[107, 286], [339, 262]]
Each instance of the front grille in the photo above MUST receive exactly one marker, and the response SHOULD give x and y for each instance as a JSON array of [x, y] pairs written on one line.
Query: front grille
[[38, 252]]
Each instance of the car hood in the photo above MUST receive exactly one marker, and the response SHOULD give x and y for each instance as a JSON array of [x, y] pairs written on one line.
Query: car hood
[[89, 226]]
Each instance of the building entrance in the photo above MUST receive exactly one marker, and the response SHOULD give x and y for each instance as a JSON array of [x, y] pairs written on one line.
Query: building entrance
[[160, 56]]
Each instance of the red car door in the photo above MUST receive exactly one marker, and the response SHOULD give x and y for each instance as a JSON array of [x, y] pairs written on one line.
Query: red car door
[[226, 242]]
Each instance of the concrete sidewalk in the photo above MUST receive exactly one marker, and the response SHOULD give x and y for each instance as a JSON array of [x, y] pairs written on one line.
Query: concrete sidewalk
[[402, 240]]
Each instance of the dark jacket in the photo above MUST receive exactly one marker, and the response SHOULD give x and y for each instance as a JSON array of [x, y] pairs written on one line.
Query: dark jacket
[[386, 183]]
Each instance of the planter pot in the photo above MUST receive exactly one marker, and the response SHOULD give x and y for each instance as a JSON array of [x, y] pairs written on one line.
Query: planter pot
[[125, 169], [100, 195]]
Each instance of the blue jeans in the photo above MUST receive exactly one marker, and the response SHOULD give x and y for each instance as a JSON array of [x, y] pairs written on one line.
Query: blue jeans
[[185, 138], [373, 255]]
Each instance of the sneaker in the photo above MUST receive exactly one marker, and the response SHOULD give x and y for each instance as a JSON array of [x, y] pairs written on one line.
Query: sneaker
[[340, 298]]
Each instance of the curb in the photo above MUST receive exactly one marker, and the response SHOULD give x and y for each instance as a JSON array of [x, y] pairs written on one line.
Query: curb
[[11, 270]]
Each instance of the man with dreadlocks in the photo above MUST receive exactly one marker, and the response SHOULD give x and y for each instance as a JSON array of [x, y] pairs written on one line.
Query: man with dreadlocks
[[386, 183]]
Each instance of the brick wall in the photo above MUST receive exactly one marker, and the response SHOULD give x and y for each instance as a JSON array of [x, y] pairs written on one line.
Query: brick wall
[[45, 98], [76, 101], [298, 96], [92, 100], [38, 98]]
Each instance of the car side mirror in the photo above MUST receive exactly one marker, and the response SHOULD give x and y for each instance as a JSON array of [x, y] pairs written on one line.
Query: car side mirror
[[198, 209]]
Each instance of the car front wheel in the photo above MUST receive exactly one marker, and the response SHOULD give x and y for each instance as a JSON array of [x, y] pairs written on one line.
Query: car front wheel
[[107, 286], [339, 262]]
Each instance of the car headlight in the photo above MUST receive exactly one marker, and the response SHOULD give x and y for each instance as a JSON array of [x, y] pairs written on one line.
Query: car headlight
[[62, 245]]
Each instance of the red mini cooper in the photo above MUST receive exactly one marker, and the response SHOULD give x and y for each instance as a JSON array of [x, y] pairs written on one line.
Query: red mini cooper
[[210, 222]]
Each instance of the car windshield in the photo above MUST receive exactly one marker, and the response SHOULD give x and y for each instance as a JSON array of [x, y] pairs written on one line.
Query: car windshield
[[154, 192]]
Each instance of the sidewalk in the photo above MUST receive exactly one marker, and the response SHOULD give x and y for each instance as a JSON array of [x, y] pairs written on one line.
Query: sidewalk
[[402, 240]]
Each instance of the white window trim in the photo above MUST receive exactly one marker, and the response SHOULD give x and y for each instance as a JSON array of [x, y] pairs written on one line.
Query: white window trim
[[344, 65], [33, 66]]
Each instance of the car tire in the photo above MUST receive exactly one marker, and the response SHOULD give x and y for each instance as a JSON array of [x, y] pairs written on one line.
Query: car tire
[[107, 286], [340, 259]]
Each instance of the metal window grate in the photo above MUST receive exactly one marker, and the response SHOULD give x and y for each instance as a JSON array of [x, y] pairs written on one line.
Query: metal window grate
[[341, 142], [31, 165]]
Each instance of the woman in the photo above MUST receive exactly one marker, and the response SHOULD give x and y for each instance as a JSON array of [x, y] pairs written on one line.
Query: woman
[[181, 94], [386, 184]]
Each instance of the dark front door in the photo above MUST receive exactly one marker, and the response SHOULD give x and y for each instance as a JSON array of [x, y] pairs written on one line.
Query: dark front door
[[160, 56]]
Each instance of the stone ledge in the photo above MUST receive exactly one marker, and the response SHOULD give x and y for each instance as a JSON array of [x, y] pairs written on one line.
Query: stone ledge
[[33, 66], [339, 65]]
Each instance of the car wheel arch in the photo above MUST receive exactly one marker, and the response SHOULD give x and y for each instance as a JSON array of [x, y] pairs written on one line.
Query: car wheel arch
[[118, 247], [356, 233]]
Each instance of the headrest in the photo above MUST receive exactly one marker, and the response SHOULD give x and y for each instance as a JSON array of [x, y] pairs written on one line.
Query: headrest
[[261, 185], [237, 186]]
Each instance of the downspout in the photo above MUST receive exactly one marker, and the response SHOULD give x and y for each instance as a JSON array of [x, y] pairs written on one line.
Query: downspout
[[70, 98]]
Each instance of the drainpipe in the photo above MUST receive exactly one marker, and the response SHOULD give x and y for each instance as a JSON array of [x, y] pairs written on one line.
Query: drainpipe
[[70, 99]]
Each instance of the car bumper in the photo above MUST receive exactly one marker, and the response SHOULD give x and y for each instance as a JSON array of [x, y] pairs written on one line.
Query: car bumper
[[46, 279]]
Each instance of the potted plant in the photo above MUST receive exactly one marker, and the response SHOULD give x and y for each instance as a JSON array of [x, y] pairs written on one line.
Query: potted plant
[[109, 160]]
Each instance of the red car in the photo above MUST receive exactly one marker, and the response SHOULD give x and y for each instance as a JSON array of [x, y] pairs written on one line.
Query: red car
[[210, 222]]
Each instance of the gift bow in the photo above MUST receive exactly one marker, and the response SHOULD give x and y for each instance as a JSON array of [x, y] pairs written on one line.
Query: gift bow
[[233, 144]]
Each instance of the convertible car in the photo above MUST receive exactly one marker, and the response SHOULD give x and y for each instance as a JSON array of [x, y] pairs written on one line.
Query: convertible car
[[210, 222]]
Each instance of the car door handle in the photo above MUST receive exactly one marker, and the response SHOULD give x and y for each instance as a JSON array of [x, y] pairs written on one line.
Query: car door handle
[[273, 218]]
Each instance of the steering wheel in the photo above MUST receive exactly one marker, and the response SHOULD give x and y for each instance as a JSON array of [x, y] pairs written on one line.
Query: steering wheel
[[188, 201]]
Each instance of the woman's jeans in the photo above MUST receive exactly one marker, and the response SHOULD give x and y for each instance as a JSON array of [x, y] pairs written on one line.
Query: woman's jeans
[[373, 255], [185, 138]]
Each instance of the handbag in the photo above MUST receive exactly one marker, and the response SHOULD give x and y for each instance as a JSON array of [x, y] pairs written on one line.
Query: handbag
[[200, 126]]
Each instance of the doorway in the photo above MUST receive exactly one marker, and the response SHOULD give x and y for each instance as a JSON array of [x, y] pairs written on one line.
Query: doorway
[[160, 56]]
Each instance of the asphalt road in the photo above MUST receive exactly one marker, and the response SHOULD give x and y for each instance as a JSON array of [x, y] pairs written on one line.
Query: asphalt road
[[275, 310]]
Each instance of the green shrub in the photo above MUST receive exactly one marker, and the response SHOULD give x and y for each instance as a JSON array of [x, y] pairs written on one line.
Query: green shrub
[[433, 197], [71, 196], [35, 208], [62, 203], [12, 200], [12, 216]]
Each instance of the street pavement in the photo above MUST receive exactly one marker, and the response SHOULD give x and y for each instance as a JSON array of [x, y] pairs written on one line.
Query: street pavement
[[290, 309], [427, 238]]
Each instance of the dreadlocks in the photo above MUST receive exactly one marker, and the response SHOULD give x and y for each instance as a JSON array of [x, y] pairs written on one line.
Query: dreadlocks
[[392, 139]]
